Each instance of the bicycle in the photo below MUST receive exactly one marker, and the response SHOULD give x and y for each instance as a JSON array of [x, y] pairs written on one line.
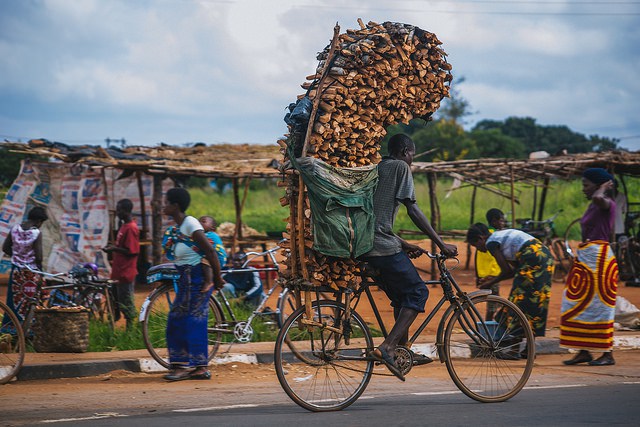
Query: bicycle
[[627, 250], [222, 321], [12, 344], [545, 232], [87, 290], [14, 331], [332, 366]]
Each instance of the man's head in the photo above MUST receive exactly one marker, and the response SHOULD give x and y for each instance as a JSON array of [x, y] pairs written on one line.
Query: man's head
[[401, 147], [208, 223], [124, 207], [496, 219], [238, 259]]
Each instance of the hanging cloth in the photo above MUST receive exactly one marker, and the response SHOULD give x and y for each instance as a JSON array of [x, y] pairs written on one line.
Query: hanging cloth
[[341, 201]]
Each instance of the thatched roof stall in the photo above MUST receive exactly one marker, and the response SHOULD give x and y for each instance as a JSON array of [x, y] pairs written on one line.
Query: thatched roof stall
[[488, 173], [240, 163]]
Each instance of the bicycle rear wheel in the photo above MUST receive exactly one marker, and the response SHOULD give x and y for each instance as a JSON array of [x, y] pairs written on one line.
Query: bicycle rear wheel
[[154, 324], [489, 360], [12, 344], [325, 373]]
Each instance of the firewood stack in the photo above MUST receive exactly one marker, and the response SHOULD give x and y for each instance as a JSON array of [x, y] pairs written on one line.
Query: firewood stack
[[366, 80]]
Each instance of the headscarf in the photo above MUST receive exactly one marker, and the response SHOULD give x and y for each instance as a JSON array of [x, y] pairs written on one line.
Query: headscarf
[[597, 175]]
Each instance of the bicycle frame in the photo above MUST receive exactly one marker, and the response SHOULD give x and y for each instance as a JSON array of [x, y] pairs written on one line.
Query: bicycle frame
[[452, 293]]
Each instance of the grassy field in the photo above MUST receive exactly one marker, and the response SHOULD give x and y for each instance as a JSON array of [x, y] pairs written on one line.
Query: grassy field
[[263, 212]]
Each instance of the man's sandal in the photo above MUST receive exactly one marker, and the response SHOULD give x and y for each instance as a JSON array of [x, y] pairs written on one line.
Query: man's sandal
[[382, 356]]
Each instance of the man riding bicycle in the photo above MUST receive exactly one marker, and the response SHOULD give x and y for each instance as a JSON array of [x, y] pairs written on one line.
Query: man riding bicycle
[[391, 254]]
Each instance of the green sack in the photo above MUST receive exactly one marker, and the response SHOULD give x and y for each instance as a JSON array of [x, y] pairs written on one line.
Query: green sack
[[341, 201]]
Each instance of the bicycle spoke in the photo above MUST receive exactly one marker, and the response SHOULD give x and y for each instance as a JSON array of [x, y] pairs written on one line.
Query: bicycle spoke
[[324, 373], [491, 369]]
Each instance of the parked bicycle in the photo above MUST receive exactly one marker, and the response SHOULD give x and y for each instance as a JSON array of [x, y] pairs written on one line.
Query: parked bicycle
[[12, 344], [545, 232], [84, 288], [331, 365], [223, 320], [81, 289]]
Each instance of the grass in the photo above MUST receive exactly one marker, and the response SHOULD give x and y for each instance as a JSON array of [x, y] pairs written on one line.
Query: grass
[[102, 338], [262, 210]]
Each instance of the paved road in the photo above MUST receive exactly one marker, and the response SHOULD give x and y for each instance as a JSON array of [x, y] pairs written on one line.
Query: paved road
[[243, 394], [568, 405]]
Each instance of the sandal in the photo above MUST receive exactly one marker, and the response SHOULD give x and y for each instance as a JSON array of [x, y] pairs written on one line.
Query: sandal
[[178, 375], [379, 355], [200, 375]]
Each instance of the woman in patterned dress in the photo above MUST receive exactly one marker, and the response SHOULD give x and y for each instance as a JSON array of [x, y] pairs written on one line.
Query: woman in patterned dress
[[589, 298], [24, 245], [186, 245], [524, 258]]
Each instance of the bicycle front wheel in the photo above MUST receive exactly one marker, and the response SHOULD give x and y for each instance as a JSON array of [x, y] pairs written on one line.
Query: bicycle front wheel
[[154, 324], [12, 344], [489, 357], [324, 373]]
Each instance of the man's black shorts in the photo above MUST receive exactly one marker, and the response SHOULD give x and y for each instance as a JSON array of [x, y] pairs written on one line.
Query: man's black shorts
[[400, 281]]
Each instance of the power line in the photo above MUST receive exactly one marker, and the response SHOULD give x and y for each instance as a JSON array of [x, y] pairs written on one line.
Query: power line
[[482, 12]]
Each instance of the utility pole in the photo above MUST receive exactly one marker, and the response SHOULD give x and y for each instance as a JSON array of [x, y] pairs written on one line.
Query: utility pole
[[121, 141]]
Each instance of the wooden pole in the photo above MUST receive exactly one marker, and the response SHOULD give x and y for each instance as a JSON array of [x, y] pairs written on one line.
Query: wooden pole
[[543, 198], [305, 148], [471, 222], [156, 217], [513, 197], [236, 201], [435, 217], [143, 259]]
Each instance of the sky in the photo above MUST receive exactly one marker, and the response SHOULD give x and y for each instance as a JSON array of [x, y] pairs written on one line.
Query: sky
[[223, 71]]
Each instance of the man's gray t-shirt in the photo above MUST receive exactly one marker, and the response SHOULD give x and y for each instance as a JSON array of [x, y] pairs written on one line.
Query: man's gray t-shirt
[[395, 184]]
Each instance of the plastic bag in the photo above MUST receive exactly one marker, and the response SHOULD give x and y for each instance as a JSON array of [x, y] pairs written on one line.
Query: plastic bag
[[300, 112]]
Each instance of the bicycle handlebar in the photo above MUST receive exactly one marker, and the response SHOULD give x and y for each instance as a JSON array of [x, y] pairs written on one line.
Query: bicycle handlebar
[[542, 222]]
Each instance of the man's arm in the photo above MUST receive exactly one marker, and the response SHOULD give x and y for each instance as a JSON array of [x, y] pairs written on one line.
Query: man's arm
[[506, 270], [420, 220]]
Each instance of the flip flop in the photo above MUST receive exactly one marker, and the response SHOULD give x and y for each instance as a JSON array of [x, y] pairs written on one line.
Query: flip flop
[[382, 356], [206, 375]]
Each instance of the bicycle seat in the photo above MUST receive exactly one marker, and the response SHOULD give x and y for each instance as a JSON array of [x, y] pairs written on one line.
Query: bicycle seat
[[161, 272]]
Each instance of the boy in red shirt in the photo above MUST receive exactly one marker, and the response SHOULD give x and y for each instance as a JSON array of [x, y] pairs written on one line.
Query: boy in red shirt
[[124, 265]]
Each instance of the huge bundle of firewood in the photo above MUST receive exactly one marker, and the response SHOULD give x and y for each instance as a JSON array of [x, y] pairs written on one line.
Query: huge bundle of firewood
[[366, 80]]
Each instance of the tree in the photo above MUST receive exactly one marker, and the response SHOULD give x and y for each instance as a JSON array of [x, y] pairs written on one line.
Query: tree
[[10, 164], [456, 107], [449, 137], [493, 143]]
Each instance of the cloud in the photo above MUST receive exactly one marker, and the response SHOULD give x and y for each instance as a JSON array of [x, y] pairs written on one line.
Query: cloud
[[224, 70]]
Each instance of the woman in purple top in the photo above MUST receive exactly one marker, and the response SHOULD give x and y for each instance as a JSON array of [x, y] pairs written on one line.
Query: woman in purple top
[[589, 297]]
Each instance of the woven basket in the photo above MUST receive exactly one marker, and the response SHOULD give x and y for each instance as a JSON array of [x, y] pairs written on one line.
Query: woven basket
[[61, 330]]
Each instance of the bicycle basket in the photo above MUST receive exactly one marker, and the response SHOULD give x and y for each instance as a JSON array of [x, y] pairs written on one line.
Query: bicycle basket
[[61, 330]]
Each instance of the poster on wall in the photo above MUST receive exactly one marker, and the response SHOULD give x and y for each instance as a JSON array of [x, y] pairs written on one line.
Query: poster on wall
[[80, 202], [76, 204]]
